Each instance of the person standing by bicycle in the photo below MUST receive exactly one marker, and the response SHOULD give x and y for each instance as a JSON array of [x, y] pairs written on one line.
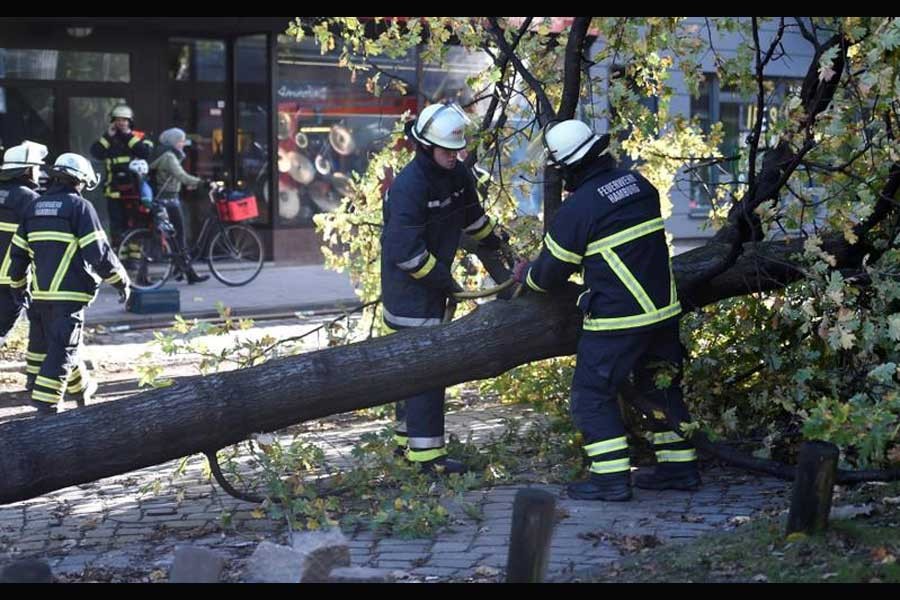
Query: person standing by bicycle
[[168, 177]]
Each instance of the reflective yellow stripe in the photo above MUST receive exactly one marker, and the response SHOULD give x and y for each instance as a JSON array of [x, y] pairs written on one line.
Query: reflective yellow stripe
[[425, 455], [134, 140], [629, 280], [4, 267], [18, 241], [560, 252], [10, 227], [118, 160], [532, 284], [50, 236], [75, 386], [35, 356], [484, 231], [91, 237], [401, 440], [610, 445], [611, 466], [33, 369], [426, 268], [48, 383], [113, 194], [666, 437], [613, 323], [626, 235], [104, 142], [17, 283], [44, 397], [676, 455], [63, 296], [63, 267], [114, 278]]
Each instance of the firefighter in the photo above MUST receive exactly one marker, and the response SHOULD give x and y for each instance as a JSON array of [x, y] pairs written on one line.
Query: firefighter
[[19, 176], [61, 239], [117, 147], [611, 229], [429, 204]]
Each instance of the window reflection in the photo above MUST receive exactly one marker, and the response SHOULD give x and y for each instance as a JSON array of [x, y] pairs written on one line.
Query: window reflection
[[16, 63]]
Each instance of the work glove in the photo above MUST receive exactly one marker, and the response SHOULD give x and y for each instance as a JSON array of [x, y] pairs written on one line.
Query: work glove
[[451, 303], [520, 271]]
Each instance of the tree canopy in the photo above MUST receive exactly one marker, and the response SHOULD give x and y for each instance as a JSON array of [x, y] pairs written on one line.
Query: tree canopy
[[794, 318]]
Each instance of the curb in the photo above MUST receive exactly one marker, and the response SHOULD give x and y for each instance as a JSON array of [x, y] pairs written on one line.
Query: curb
[[135, 321]]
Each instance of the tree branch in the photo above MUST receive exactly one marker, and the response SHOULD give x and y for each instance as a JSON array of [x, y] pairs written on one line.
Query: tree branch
[[547, 113]]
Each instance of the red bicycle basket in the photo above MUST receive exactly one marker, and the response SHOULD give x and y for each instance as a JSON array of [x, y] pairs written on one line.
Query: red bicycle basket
[[238, 209]]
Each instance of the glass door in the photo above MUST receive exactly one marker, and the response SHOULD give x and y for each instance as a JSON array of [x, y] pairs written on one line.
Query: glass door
[[87, 119]]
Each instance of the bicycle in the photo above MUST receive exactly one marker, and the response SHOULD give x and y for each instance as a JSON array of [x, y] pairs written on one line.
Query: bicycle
[[234, 255]]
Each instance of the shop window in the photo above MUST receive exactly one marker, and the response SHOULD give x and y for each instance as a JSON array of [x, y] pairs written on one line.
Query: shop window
[[196, 59], [26, 114], [70, 65], [328, 125]]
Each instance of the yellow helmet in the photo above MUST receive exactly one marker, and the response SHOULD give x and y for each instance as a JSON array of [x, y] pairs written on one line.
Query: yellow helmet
[[121, 111]]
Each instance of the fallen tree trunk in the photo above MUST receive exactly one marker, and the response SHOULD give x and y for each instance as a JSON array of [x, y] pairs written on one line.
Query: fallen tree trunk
[[203, 414], [207, 413]]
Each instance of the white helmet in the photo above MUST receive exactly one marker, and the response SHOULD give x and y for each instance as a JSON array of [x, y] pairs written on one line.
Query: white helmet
[[121, 111], [27, 157], [566, 142], [26, 154], [78, 167], [139, 166], [442, 125]]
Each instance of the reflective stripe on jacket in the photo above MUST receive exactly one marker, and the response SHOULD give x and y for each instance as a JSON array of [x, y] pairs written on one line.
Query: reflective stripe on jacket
[[611, 229]]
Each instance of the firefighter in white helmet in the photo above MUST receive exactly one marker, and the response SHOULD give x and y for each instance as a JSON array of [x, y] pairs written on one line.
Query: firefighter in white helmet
[[429, 204], [610, 228], [19, 176], [61, 240]]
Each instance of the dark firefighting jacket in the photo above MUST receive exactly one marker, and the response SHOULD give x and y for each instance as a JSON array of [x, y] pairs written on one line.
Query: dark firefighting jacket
[[61, 235], [424, 212], [611, 229], [15, 196], [116, 152]]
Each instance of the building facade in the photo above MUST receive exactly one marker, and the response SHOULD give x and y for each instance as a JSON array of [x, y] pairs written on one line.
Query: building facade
[[272, 115]]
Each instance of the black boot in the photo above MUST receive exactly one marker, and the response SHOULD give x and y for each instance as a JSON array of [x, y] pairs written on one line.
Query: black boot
[[86, 395], [610, 487], [683, 476], [193, 277], [44, 408], [444, 466]]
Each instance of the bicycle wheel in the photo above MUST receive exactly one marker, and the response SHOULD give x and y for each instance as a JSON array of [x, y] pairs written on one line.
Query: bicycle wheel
[[147, 259], [235, 255]]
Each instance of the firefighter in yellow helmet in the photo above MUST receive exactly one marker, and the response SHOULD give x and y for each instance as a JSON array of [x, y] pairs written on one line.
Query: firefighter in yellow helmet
[[117, 147]]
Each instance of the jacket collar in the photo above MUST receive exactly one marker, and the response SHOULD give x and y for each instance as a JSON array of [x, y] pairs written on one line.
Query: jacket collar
[[575, 177]]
